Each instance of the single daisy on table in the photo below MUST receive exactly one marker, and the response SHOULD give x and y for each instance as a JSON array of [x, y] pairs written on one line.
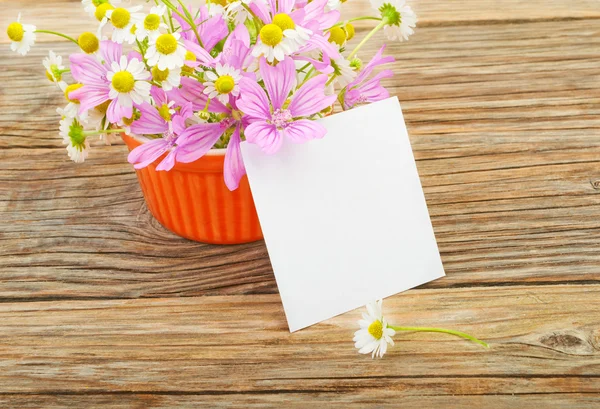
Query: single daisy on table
[[166, 52], [152, 24], [123, 20], [222, 83], [74, 137], [128, 85], [54, 68], [22, 36], [399, 18], [374, 335], [167, 78], [90, 6]]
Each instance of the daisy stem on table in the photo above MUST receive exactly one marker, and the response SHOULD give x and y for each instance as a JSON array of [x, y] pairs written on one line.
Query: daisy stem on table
[[364, 40], [442, 330], [58, 34]]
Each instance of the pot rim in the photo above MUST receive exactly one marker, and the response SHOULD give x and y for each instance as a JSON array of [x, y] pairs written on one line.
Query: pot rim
[[212, 152]]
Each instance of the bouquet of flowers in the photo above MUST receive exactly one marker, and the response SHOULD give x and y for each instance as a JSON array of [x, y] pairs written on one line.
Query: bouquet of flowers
[[185, 80]]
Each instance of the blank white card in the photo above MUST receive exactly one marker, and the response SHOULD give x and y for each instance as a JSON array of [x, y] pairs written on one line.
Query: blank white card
[[344, 217]]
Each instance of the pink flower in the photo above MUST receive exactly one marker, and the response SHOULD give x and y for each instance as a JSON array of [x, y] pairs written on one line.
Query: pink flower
[[121, 79], [210, 29], [360, 91], [271, 118], [160, 119]]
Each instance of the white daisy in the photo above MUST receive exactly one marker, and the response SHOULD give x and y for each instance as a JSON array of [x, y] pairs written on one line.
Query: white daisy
[[54, 68], [166, 52], [123, 20], [129, 82], [167, 78], [152, 24], [333, 5], [74, 137], [90, 5], [222, 83], [236, 11], [399, 17], [343, 71], [22, 36], [280, 38], [373, 335]]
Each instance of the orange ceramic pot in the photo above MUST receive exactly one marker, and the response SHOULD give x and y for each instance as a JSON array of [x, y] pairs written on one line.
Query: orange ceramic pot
[[192, 200]]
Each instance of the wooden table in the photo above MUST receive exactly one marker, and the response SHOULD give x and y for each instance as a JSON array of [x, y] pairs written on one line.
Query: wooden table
[[101, 306]]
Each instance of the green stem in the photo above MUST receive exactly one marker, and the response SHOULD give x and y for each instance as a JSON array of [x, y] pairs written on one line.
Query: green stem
[[376, 29], [331, 80], [442, 330], [92, 133], [58, 34], [191, 22], [343, 23]]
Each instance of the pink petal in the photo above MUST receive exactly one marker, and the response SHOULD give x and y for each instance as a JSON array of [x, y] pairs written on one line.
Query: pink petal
[[150, 121], [304, 130], [89, 97], [253, 100], [234, 168], [261, 10], [116, 112], [110, 51], [196, 140], [264, 135], [279, 80], [147, 153], [85, 69], [310, 98], [169, 161], [201, 54]]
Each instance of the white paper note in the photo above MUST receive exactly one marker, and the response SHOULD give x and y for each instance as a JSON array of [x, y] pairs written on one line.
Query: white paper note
[[344, 218]]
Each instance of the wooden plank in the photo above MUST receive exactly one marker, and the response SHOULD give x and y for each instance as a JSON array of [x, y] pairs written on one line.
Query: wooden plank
[[544, 340], [51, 14], [503, 120], [383, 398]]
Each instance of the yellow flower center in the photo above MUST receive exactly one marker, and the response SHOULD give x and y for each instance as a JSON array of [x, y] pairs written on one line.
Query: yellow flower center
[[15, 31], [103, 107], [163, 111], [189, 56], [159, 75], [123, 81], [349, 29], [337, 35], [128, 121], [166, 44], [220, 2], [88, 42], [376, 329], [284, 22], [271, 35], [151, 22], [133, 29], [68, 90], [224, 84], [101, 10], [99, 2], [120, 17], [49, 76]]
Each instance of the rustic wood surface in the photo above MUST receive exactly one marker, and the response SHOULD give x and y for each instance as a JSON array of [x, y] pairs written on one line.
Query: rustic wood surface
[[101, 306]]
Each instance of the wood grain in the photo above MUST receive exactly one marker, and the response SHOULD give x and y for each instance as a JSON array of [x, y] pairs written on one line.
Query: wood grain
[[198, 347], [102, 307]]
